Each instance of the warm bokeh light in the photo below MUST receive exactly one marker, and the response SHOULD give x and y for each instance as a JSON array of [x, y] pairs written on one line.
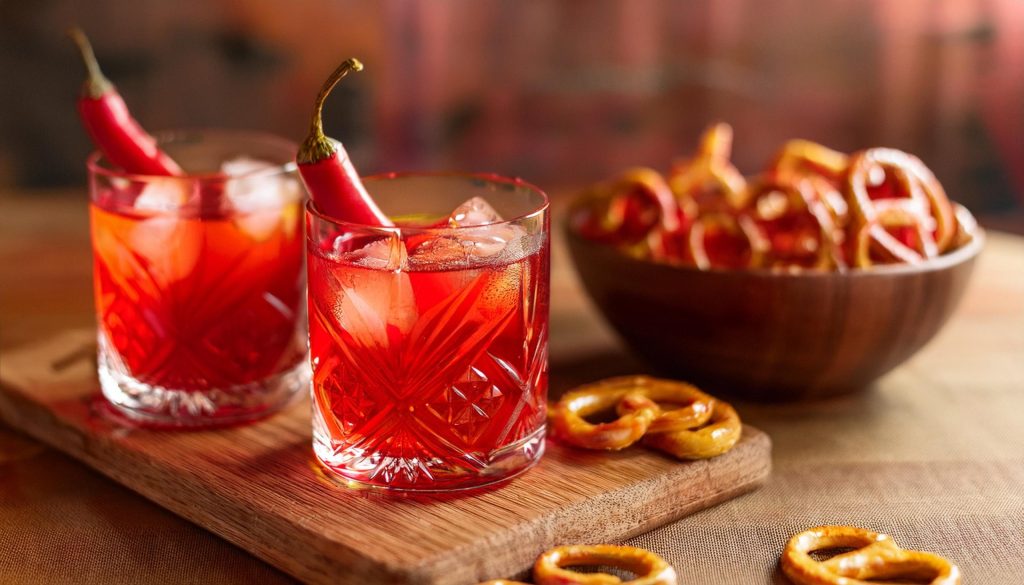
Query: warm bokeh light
[[561, 93]]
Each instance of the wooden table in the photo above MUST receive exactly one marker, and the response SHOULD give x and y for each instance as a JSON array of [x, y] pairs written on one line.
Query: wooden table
[[933, 455]]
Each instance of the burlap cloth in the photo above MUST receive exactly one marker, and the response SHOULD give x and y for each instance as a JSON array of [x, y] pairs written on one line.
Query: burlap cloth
[[934, 456]]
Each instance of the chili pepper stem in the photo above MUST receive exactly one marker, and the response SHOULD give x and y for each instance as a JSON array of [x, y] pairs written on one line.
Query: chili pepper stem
[[96, 84], [332, 181], [317, 145]]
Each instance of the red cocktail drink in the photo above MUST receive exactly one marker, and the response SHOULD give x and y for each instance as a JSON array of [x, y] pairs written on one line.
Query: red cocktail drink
[[429, 344], [198, 283]]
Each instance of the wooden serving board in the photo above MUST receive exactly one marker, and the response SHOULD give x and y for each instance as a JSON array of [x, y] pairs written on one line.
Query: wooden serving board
[[259, 487]]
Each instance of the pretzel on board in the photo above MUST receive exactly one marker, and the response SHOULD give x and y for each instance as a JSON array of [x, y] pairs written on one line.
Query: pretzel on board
[[715, 435], [569, 422], [875, 556], [697, 426], [692, 406]]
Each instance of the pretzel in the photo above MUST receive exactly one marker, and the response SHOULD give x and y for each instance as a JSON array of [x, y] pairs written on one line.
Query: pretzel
[[966, 225], [876, 556], [710, 438], [629, 208], [802, 156], [712, 191], [710, 167], [821, 166], [920, 206], [878, 205], [694, 406], [798, 226], [874, 241], [830, 194], [698, 428], [649, 568], [742, 236], [568, 414]]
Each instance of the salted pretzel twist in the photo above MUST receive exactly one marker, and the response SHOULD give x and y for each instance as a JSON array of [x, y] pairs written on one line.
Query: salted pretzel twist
[[876, 556], [649, 568]]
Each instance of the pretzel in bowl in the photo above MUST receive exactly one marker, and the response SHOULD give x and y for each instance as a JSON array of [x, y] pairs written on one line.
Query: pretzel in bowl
[[900, 211], [636, 210], [725, 240], [895, 234], [803, 156], [709, 181], [799, 228], [875, 556], [823, 167], [966, 226], [649, 568], [712, 191], [812, 208]]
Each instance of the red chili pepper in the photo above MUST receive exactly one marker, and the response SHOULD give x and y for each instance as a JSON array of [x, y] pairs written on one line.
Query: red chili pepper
[[332, 181], [112, 128]]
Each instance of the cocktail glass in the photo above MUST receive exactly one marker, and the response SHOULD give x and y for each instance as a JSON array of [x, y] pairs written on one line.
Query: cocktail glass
[[199, 281], [428, 340]]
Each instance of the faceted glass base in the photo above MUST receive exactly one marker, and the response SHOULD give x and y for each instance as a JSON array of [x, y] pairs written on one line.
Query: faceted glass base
[[170, 408], [368, 470]]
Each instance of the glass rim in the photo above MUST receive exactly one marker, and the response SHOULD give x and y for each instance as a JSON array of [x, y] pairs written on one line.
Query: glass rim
[[97, 164], [543, 207]]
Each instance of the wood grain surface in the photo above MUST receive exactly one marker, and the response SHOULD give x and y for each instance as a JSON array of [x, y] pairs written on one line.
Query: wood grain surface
[[258, 486]]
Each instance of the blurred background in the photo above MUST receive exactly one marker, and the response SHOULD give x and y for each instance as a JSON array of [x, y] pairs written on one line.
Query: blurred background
[[558, 92]]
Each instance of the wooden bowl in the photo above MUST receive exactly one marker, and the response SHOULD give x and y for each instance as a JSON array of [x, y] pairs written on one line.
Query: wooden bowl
[[772, 336]]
